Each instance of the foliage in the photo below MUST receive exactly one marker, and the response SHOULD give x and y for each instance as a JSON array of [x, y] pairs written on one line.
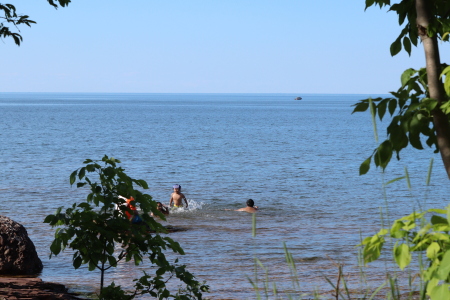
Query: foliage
[[414, 112], [11, 17], [406, 10], [97, 227], [411, 110], [418, 233], [419, 109]]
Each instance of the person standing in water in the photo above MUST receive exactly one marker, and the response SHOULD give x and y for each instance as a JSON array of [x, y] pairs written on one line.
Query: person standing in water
[[176, 199]]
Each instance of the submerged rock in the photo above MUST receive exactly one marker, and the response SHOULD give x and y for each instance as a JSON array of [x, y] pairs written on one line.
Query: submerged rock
[[18, 254], [18, 288]]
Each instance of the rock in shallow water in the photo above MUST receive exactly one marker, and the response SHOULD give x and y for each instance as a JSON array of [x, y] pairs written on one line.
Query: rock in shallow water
[[17, 252]]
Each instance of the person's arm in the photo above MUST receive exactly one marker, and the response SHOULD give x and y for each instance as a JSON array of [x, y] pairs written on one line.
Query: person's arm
[[171, 200]]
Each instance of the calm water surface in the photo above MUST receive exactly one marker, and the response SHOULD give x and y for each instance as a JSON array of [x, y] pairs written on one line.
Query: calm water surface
[[298, 160]]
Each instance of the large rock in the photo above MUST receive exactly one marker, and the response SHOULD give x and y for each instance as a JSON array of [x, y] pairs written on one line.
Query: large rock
[[17, 252]]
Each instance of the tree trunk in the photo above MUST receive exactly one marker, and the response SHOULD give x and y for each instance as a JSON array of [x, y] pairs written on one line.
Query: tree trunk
[[435, 86]]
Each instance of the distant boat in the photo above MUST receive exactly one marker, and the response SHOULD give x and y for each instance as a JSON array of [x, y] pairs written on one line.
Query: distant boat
[[298, 98]]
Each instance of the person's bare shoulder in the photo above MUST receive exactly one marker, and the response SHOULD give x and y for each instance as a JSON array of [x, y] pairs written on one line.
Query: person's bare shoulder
[[247, 209]]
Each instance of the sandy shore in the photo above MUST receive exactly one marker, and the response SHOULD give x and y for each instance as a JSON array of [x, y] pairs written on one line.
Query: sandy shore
[[26, 288]]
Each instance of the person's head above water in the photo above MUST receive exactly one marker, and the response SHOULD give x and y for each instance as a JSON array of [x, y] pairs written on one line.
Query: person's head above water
[[250, 202]]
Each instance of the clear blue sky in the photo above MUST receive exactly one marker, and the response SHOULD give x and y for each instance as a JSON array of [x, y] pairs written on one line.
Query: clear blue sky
[[208, 46]]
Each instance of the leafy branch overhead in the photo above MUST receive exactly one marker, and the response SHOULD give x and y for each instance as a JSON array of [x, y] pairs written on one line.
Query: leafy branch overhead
[[411, 111], [407, 14], [419, 109], [14, 20]]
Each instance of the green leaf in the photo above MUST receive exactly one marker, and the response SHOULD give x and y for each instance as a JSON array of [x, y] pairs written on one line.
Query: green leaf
[[84, 205], [165, 294], [381, 108], [361, 106], [447, 84], [433, 250], [92, 265], [445, 107], [369, 3], [437, 210], [112, 261], [372, 251], [82, 173], [402, 256], [444, 267], [73, 177], [365, 166], [445, 72], [438, 220], [445, 36], [392, 106], [397, 230], [448, 214], [406, 76], [160, 271], [396, 47], [440, 292], [137, 259], [77, 262], [49, 219], [407, 45], [55, 247], [429, 103], [414, 140], [142, 183], [383, 154]]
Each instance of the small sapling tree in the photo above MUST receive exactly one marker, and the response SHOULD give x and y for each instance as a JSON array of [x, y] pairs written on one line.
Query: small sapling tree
[[96, 228]]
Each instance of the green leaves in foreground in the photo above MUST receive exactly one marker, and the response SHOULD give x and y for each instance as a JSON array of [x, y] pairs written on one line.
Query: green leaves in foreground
[[414, 233]]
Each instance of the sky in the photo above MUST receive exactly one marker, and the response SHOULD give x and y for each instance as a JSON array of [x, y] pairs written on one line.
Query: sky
[[206, 46]]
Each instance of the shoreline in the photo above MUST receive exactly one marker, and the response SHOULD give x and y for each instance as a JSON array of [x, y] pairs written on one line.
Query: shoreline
[[16, 287]]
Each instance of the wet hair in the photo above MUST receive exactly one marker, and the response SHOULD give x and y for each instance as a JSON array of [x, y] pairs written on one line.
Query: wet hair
[[250, 202]]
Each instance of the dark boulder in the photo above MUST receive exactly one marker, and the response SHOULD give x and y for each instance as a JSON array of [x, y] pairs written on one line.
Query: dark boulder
[[17, 252]]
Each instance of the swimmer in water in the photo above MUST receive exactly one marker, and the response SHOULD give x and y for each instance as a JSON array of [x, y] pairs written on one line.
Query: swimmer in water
[[162, 208], [176, 199], [250, 208]]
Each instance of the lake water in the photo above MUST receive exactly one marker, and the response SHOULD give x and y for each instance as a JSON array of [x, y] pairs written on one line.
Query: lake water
[[298, 160]]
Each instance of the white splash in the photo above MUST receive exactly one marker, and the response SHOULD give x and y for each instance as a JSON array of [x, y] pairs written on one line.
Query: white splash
[[192, 206]]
